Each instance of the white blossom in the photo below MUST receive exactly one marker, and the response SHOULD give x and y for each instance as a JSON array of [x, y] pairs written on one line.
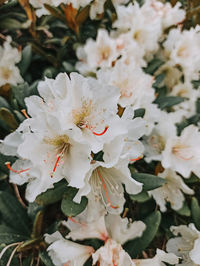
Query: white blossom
[[9, 57], [171, 191], [186, 244]]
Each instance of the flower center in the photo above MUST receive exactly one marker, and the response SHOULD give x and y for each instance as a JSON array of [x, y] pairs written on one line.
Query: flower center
[[62, 144], [183, 152], [6, 72]]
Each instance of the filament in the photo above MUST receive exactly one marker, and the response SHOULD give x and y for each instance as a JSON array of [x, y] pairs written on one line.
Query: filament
[[15, 171], [75, 221], [106, 192], [55, 166], [25, 113], [97, 134], [136, 159], [57, 160]]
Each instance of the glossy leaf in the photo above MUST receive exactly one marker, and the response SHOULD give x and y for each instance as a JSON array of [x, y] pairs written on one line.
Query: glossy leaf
[[136, 246]]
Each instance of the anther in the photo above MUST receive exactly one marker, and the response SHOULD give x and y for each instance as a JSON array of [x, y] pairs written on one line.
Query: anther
[[106, 192], [15, 171], [25, 113]]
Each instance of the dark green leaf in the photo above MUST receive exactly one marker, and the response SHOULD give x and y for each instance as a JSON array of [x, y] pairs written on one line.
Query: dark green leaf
[[4, 103], [184, 211], [13, 214], [9, 235], [136, 246], [141, 197], [153, 66], [150, 182], [26, 59], [168, 101], [139, 112], [195, 208], [10, 24], [46, 259], [69, 207], [52, 195], [7, 117]]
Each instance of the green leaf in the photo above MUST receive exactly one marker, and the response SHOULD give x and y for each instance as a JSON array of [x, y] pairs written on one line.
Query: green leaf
[[150, 182], [185, 211], [4, 103], [69, 207], [37, 225], [46, 259], [136, 246], [13, 214], [168, 101], [20, 92], [141, 197], [26, 59], [139, 112], [198, 106], [195, 209], [8, 118], [159, 80], [9, 235], [52, 195], [10, 24], [153, 66]]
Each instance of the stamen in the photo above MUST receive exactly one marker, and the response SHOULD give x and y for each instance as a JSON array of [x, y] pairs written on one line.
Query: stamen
[[55, 166], [58, 159], [15, 171], [106, 192], [136, 159], [25, 113], [113, 261], [75, 221], [98, 134]]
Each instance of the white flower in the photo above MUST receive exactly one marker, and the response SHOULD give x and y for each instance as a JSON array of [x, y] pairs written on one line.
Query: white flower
[[97, 7], [158, 259], [182, 48], [112, 253], [186, 245], [50, 157], [40, 8], [181, 153], [9, 57], [114, 230], [171, 191], [107, 185], [142, 22], [170, 15], [135, 86], [155, 143], [65, 252], [95, 54], [188, 106]]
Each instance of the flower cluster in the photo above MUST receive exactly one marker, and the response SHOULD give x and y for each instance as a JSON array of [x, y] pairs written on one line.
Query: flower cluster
[[84, 128]]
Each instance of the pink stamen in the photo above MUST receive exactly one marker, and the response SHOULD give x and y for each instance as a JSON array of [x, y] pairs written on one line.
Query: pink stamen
[[15, 171], [106, 192], [57, 161], [55, 166], [75, 221], [25, 113], [136, 159], [98, 134]]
